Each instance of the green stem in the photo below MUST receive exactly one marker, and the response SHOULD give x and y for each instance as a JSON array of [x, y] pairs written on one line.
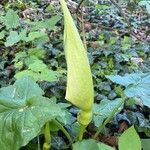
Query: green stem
[[81, 132], [38, 143], [64, 131], [109, 118], [47, 135]]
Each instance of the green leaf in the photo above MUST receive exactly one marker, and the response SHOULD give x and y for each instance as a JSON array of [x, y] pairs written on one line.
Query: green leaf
[[38, 71], [125, 80], [39, 42], [2, 34], [30, 59], [148, 8], [67, 116], [86, 145], [103, 110], [12, 38], [19, 56], [37, 66], [39, 53], [46, 24], [137, 85], [29, 73], [91, 145], [126, 43], [103, 146], [18, 65], [129, 140], [143, 2], [23, 34], [11, 19], [35, 35], [23, 112], [145, 144], [102, 6]]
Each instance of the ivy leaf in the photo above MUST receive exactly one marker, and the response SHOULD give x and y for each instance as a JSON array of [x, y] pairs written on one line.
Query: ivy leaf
[[137, 85], [91, 145], [19, 56], [23, 112], [148, 8], [11, 19], [35, 35], [46, 24], [12, 38], [145, 3], [38, 71], [103, 110], [142, 3], [39, 53], [129, 140], [22, 35], [2, 34], [29, 73]]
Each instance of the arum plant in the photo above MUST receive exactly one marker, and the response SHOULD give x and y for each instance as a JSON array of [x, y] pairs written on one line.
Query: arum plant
[[79, 78]]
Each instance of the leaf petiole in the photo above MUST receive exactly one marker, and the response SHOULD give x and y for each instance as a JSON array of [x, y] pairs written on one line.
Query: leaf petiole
[[47, 144], [81, 132], [109, 118]]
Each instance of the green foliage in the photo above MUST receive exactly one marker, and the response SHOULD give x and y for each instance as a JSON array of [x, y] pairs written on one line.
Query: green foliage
[[129, 140], [45, 24], [23, 112], [2, 34], [31, 32], [35, 67], [103, 110], [136, 118], [145, 3], [35, 35], [11, 20], [137, 86], [29, 57], [39, 71], [145, 144], [12, 38], [102, 6], [126, 43], [39, 53], [90, 145]]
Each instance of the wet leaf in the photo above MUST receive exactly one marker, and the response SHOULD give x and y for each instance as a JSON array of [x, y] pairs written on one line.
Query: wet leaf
[[23, 112]]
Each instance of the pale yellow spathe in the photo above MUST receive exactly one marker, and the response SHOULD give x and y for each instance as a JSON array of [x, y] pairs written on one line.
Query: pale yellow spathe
[[79, 78]]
